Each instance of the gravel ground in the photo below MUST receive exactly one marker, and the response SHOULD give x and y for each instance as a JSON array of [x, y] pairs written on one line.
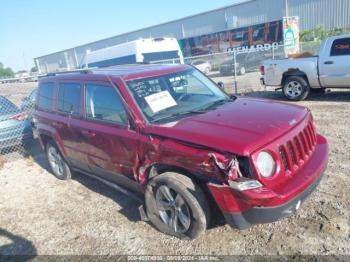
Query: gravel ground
[[42, 215]]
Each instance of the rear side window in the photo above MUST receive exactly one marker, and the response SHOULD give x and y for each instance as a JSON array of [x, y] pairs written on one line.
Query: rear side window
[[69, 100], [45, 96], [341, 47], [104, 104]]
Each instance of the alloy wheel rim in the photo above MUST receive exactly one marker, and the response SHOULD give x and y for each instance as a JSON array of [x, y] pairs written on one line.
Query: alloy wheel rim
[[173, 210], [55, 161], [294, 89]]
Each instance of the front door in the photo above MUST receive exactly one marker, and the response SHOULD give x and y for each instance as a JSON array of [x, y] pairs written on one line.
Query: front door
[[335, 66], [108, 142]]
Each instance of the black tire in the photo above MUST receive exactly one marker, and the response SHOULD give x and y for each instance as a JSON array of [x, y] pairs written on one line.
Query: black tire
[[296, 88], [64, 172], [194, 199]]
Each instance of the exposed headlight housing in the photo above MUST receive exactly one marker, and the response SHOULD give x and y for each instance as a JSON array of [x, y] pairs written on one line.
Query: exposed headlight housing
[[243, 184], [266, 164]]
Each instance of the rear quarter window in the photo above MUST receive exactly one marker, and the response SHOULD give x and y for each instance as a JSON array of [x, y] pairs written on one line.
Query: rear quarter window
[[46, 96], [69, 98], [341, 47]]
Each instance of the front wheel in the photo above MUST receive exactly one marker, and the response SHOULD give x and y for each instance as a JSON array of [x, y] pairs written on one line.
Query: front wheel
[[296, 88], [177, 206]]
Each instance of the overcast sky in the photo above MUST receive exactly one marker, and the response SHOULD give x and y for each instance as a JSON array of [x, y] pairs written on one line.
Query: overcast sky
[[38, 27]]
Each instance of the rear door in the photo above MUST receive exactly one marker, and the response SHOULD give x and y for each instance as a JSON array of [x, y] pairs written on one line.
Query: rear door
[[335, 65], [68, 119], [108, 142]]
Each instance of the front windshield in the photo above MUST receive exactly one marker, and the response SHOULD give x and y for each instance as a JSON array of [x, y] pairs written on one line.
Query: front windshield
[[166, 97]]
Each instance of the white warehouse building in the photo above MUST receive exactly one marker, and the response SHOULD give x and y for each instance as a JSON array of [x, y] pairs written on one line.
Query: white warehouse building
[[243, 22]]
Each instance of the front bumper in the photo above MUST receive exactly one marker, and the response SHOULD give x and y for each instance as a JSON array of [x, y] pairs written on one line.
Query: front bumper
[[262, 215], [243, 209]]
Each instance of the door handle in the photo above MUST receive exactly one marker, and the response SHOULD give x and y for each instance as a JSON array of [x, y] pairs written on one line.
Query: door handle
[[88, 133], [57, 124], [328, 62]]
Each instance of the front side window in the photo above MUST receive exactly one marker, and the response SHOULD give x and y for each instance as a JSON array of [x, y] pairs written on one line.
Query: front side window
[[341, 47], [104, 104], [164, 97], [69, 98], [45, 96]]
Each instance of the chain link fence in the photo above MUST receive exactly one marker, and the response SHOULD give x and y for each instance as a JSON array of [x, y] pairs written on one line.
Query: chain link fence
[[240, 73], [16, 108]]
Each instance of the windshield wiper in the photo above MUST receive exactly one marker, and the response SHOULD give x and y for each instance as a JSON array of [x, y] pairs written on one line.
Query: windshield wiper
[[174, 115], [218, 103]]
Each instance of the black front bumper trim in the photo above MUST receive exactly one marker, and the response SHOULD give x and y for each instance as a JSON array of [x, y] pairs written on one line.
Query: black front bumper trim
[[262, 215]]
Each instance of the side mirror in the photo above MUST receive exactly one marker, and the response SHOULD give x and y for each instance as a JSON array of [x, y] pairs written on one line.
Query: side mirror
[[221, 85]]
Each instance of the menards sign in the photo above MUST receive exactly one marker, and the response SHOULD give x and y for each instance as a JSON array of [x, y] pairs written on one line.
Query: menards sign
[[290, 40]]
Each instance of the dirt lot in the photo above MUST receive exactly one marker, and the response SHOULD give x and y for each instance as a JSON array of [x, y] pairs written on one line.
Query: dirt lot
[[42, 215]]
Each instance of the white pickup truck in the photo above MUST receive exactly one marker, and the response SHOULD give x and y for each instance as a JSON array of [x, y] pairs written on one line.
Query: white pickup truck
[[298, 76]]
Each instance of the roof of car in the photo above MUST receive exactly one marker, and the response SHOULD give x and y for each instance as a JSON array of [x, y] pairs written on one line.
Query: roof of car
[[127, 72]]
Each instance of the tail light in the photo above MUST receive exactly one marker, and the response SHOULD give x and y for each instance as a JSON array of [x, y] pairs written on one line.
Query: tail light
[[262, 69], [20, 116]]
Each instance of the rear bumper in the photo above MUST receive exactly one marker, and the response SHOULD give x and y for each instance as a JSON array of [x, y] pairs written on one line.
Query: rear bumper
[[16, 141], [16, 136], [243, 209]]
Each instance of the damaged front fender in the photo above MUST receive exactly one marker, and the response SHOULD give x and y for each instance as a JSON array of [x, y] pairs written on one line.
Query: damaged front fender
[[158, 155]]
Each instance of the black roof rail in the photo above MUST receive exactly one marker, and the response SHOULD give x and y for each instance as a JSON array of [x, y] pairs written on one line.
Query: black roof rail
[[80, 71]]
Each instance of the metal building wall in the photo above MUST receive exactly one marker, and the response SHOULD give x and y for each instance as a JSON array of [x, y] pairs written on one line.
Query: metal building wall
[[329, 13], [256, 12]]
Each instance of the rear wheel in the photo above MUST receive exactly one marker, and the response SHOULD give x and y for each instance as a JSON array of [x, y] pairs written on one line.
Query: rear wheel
[[177, 206], [57, 163], [296, 88]]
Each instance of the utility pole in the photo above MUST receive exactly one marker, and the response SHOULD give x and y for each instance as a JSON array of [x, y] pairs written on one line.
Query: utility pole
[[286, 6], [25, 62]]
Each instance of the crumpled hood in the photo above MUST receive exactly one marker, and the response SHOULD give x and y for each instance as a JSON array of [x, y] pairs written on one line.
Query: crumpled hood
[[240, 127]]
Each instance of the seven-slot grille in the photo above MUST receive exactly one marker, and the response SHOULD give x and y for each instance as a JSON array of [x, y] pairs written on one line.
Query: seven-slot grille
[[298, 149]]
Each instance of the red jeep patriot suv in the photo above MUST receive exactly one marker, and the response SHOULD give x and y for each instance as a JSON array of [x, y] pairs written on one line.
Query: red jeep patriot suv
[[170, 134]]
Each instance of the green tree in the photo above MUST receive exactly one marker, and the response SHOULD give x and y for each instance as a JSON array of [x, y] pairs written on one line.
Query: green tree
[[318, 33], [6, 71], [34, 69]]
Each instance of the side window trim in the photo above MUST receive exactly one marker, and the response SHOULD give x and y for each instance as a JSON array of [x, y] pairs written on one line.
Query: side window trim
[[102, 121]]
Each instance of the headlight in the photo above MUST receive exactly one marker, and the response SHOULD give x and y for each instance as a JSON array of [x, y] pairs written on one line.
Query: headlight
[[266, 164]]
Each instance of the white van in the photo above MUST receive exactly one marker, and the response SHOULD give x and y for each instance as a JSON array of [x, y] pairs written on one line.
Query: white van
[[139, 51]]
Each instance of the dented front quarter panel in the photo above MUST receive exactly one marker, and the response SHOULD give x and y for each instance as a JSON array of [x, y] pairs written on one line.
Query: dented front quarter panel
[[204, 163]]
